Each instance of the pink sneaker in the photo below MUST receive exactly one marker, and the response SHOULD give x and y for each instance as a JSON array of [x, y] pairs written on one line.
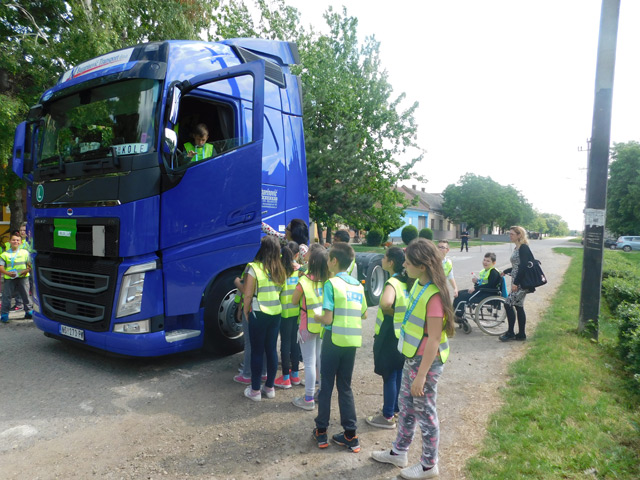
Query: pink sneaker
[[242, 380], [295, 380], [282, 383]]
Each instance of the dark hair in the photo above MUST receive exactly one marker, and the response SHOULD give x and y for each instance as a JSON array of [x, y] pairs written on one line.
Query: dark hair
[[423, 252], [316, 246], [16, 233], [269, 256], [318, 266], [444, 240], [396, 255], [490, 255], [343, 253], [294, 247], [341, 236], [299, 231], [201, 130], [286, 256]]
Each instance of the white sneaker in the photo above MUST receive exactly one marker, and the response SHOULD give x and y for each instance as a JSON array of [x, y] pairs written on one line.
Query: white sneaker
[[300, 402], [269, 392], [248, 392], [384, 456], [416, 472]]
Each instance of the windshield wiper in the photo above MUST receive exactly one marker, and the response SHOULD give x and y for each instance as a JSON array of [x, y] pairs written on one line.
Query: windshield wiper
[[53, 169]]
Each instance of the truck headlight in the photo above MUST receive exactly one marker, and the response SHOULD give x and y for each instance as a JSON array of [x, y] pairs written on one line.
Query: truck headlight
[[141, 326], [130, 300]]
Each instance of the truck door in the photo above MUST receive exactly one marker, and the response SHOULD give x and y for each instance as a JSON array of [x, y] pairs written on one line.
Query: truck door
[[215, 197]]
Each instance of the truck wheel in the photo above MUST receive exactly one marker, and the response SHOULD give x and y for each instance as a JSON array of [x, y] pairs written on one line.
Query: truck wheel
[[370, 271], [222, 335]]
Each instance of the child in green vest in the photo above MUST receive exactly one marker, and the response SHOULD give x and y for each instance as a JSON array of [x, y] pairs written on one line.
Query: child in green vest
[[424, 341], [289, 348], [387, 360], [309, 295], [15, 266], [199, 149], [344, 306]]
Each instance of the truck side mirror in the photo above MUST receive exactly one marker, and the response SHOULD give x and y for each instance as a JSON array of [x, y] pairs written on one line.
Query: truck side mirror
[[19, 144], [170, 141], [174, 103]]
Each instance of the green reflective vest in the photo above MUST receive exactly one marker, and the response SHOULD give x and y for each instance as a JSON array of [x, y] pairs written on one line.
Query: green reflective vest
[[448, 266], [313, 296], [413, 327], [351, 267], [267, 292], [238, 296], [203, 152], [483, 276], [346, 329], [15, 261], [399, 308], [290, 309]]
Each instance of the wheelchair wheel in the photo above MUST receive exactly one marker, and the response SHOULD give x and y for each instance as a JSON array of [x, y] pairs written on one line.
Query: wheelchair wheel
[[466, 328], [491, 315]]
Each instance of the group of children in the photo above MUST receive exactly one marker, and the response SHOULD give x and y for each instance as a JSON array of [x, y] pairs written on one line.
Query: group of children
[[324, 305], [15, 267]]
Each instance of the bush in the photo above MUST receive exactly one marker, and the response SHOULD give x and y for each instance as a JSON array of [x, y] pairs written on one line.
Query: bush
[[374, 237], [629, 336], [618, 290], [426, 233], [409, 233]]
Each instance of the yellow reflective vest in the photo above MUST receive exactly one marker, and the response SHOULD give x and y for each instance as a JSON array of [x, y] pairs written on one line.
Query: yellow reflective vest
[[15, 261], [267, 292], [206, 151], [412, 331], [313, 295], [399, 308], [290, 309], [448, 266], [348, 301]]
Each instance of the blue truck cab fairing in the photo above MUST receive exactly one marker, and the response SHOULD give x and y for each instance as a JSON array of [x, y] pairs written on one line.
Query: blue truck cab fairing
[[137, 242]]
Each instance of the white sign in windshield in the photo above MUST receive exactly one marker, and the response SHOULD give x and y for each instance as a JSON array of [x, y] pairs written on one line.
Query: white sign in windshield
[[131, 148], [105, 61]]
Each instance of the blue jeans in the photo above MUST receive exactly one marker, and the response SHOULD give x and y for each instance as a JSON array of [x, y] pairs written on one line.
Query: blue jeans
[[246, 359], [263, 333], [336, 368], [390, 391]]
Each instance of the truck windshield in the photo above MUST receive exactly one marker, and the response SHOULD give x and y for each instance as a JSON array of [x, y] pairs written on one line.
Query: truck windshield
[[87, 124]]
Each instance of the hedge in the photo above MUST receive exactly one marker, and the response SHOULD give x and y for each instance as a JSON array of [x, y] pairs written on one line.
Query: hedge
[[410, 232]]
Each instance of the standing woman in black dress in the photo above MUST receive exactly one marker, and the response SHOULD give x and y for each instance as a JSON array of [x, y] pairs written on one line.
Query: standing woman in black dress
[[520, 257]]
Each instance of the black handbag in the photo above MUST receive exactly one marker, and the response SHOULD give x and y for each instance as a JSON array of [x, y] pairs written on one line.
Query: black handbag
[[532, 276]]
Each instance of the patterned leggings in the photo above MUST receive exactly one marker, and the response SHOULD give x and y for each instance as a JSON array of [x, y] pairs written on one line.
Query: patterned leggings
[[419, 411]]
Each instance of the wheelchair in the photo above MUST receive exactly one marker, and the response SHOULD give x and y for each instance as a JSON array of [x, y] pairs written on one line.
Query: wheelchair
[[489, 314]]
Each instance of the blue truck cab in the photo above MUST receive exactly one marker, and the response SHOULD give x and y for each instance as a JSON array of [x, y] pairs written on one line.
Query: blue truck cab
[[136, 242]]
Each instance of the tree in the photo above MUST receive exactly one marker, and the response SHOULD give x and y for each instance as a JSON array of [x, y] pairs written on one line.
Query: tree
[[479, 201], [623, 191], [42, 39]]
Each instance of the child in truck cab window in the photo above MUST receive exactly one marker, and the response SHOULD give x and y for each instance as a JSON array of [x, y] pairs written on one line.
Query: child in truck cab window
[[199, 149]]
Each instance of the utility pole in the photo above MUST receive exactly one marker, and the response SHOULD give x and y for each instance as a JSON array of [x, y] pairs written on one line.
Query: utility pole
[[597, 170]]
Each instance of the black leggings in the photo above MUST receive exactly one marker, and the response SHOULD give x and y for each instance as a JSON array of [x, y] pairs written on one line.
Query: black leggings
[[511, 318], [289, 348]]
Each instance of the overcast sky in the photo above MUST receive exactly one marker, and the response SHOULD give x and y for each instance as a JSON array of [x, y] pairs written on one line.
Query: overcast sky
[[505, 87]]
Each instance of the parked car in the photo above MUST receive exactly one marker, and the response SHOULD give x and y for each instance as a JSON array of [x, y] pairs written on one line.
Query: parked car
[[610, 243], [628, 243]]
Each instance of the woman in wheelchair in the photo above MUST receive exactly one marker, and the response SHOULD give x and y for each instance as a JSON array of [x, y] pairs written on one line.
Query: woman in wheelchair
[[488, 283]]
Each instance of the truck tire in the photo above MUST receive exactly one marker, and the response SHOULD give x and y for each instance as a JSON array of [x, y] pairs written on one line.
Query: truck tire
[[222, 335], [370, 270]]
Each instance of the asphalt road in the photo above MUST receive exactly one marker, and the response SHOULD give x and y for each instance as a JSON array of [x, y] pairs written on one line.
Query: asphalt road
[[50, 389]]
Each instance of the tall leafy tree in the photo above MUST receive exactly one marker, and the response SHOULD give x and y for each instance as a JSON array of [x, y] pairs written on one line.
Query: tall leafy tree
[[623, 191]]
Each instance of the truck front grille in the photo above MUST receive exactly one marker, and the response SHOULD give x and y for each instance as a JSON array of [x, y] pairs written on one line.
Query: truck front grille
[[76, 290]]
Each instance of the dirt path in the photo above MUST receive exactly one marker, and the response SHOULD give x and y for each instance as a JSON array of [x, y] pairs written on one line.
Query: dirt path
[[197, 425]]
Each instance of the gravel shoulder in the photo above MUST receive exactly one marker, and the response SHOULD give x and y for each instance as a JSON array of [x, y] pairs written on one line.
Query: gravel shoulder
[[190, 421]]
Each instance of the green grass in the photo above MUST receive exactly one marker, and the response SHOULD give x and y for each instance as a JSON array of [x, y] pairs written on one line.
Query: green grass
[[567, 413], [453, 244]]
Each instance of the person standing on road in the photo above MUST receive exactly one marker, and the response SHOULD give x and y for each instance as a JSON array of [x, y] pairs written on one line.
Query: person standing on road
[[521, 256], [447, 265], [15, 265], [309, 295], [261, 305], [464, 239], [344, 306], [387, 360], [427, 324]]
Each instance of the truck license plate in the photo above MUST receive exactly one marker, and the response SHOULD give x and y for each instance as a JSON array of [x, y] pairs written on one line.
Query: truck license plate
[[72, 332]]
